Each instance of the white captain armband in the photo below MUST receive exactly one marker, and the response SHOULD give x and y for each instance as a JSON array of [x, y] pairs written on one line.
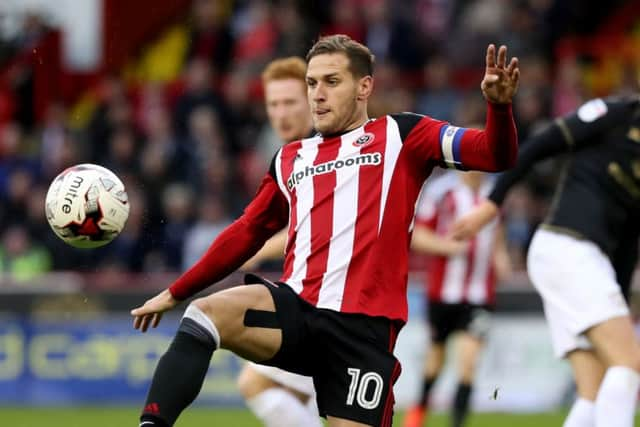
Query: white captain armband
[[450, 138]]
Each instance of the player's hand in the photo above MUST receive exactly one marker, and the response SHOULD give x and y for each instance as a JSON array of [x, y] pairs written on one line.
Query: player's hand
[[500, 80], [469, 225], [151, 312]]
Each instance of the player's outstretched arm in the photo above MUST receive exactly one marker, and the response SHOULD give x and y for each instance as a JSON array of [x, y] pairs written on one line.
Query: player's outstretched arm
[[547, 143], [425, 240], [500, 81], [265, 215], [469, 225]]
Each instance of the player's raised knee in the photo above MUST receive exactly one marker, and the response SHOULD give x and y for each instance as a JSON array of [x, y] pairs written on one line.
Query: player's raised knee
[[196, 322]]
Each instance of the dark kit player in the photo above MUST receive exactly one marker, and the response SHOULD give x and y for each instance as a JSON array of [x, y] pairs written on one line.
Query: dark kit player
[[348, 197], [582, 257]]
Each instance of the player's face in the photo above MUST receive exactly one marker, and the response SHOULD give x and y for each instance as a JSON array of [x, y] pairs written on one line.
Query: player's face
[[334, 93], [288, 109]]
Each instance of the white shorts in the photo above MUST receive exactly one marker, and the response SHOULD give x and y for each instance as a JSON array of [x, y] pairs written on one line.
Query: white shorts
[[578, 287], [296, 382]]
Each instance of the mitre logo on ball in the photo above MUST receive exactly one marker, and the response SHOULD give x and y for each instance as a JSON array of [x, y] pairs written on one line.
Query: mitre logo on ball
[[87, 206]]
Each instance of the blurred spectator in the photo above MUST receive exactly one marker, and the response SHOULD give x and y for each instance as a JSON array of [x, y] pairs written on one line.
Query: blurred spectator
[[13, 157], [478, 24], [198, 92], [531, 109], [246, 116], [21, 258], [52, 139], [211, 220], [152, 95], [34, 28], [470, 109], [346, 19], [521, 30], [122, 156], [155, 176], [379, 28], [114, 111], [434, 19], [391, 28], [207, 144], [220, 182], [294, 34], [72, 151], [438, 99], [210, 37], [178, 203], [178, 154], [205, 131], [255, 33], [568, 87], [15, 202]]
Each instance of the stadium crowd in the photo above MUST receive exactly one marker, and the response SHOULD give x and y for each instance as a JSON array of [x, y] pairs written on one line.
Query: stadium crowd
[[191, 150]]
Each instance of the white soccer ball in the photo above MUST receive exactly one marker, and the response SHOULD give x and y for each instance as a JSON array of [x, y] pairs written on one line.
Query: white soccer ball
[[87, 206]]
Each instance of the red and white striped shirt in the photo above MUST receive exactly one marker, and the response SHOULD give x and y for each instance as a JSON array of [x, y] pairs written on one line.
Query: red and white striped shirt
[[350, 201], [468, 277]]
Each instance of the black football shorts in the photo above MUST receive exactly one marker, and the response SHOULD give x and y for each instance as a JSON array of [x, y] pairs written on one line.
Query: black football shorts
[[445, 319], [350, 356]]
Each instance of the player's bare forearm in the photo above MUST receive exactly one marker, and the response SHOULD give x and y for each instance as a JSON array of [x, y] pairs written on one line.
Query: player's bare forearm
[[273, 249], [469, 225], [425, 240], [501, 258]]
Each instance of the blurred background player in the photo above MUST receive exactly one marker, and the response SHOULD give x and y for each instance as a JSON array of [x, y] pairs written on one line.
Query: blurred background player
[[582, 257], [277, 397], [460, 283]]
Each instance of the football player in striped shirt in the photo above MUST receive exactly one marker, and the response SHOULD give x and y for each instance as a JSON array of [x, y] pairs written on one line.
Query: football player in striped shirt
[[348, 197], [460, 283]]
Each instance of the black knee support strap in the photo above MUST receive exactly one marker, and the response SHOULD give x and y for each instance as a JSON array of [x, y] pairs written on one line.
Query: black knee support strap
[[196, 330], [261, 319]]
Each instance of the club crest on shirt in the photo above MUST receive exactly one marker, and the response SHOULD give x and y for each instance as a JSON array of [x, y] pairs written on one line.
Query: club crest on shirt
[[364, 140], [592, 110]]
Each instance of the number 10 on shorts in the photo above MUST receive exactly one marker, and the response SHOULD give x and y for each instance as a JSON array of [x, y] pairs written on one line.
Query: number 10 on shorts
[[359, 387]]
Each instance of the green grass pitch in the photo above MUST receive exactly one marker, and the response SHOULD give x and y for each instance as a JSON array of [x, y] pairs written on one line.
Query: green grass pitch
[[200, 417]]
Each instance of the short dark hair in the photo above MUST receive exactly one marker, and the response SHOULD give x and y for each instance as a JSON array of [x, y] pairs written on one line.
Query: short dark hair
[[361, 60]]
